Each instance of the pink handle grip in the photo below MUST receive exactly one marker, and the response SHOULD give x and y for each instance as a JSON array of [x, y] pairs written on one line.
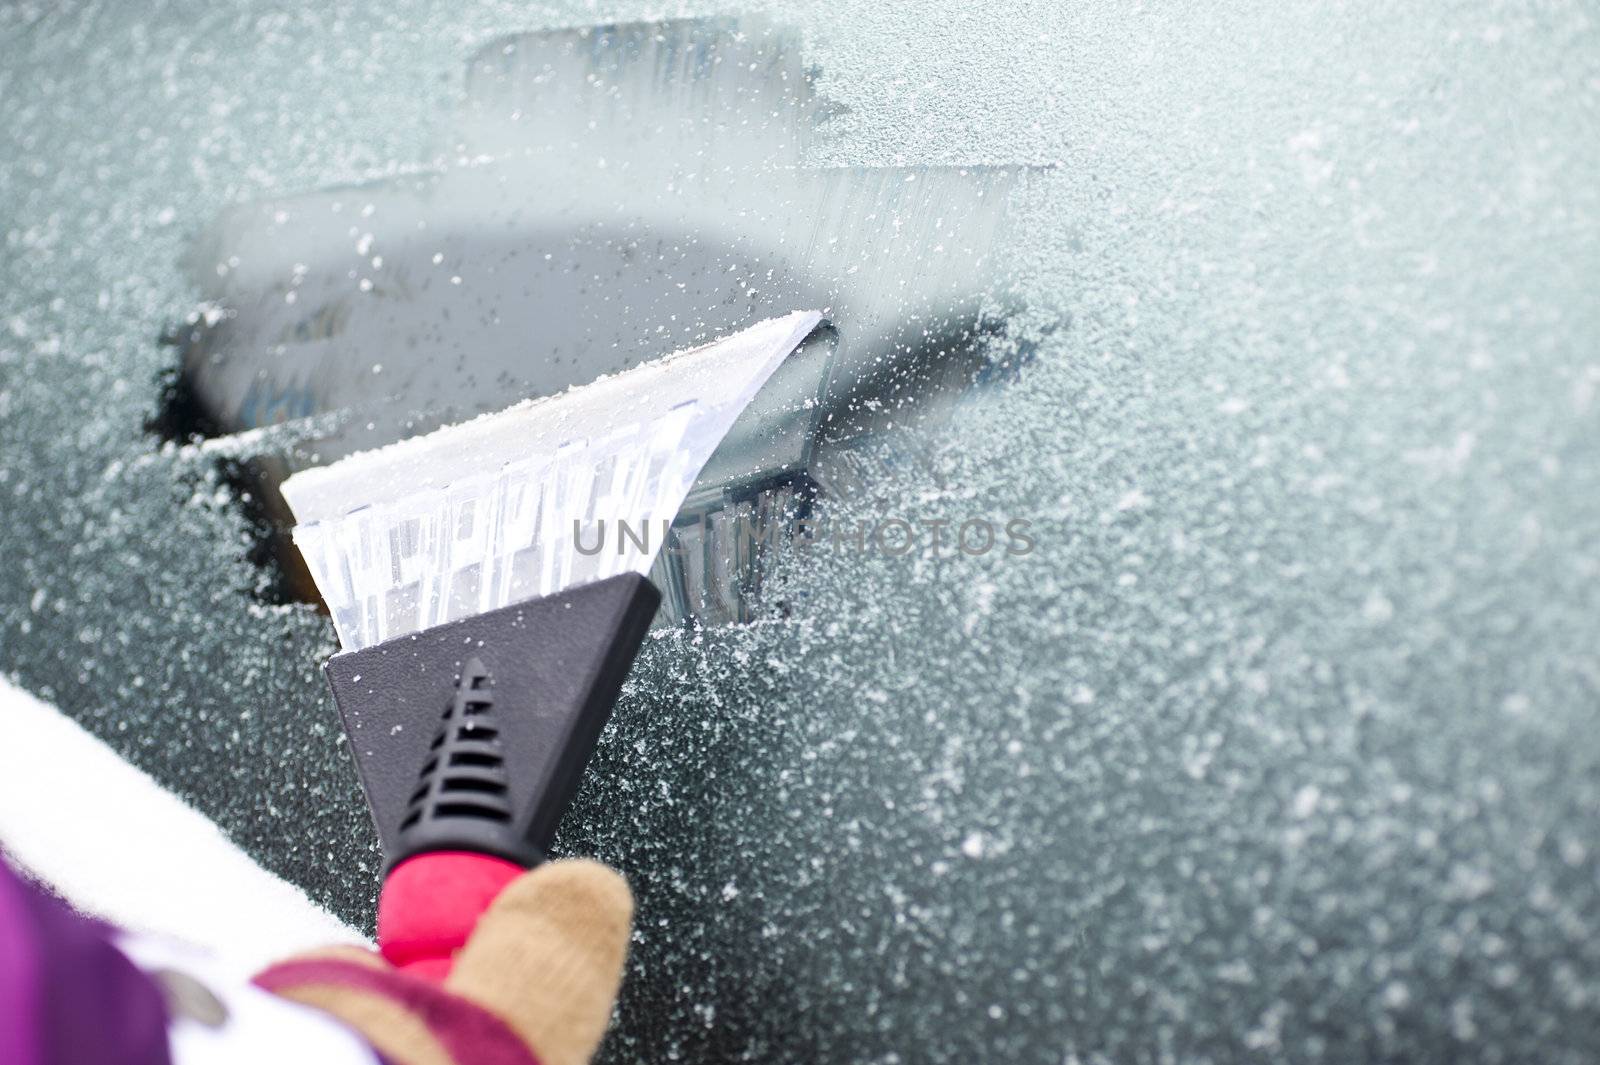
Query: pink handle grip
[[430, 904]]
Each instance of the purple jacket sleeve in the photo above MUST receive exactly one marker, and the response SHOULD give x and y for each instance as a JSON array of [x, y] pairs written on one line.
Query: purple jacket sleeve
[[67, 994]]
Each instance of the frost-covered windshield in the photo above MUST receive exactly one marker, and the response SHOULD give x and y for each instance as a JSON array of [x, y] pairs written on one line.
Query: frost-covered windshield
[[1203, 665]]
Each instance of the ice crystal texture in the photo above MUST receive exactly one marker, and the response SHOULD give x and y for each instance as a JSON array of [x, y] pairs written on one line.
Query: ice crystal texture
[[1282, 743]]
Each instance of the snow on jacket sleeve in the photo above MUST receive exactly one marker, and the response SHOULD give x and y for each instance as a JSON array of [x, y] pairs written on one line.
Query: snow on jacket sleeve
[[74, 990]]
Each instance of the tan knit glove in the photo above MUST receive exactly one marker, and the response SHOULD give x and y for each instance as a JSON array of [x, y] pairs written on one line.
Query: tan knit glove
[[534, 983]]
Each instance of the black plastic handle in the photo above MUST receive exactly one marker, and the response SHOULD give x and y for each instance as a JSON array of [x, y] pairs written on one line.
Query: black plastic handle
[[473, 736]]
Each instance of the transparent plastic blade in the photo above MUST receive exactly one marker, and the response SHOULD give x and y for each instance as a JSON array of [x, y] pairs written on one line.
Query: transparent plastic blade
[[544, 496]]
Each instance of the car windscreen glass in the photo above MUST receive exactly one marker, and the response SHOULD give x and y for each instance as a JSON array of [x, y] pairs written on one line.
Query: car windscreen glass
[[1199, 660]]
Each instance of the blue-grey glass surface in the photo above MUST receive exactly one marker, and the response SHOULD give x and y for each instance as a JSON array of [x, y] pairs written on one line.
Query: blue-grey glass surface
[[1281, 743]]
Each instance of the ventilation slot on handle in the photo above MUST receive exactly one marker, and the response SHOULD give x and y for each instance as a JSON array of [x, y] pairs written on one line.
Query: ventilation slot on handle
[[464, 777]]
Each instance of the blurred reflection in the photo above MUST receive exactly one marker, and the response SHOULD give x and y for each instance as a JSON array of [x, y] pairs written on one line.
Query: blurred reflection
[[610, 195]]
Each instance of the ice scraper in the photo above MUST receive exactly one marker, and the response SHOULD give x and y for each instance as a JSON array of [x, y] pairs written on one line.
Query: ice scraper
[[488, 585]]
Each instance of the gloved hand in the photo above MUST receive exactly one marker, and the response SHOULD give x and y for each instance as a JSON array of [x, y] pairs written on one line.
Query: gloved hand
[[534, 982]]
